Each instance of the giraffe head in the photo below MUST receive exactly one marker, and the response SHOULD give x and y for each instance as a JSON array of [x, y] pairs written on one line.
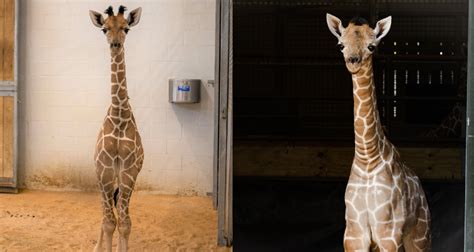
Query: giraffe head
[[115, 27], [357, 41]]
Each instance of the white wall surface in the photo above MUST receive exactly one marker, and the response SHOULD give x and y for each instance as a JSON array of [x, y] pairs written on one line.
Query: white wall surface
[[64, 68]]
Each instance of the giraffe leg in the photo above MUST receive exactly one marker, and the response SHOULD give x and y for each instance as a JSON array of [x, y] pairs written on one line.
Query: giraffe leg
[[126, 184], [109, 222], [419, 238], [389, 237], [356, 238]]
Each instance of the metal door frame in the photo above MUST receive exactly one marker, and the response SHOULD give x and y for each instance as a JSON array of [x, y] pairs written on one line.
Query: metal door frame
[[222, 181], [469, 170]]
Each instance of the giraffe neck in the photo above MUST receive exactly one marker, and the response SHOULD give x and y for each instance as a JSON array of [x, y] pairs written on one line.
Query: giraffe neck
[[118, 81], [368, 131]]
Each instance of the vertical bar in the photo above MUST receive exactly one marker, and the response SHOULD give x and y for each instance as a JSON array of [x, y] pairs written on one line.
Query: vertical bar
[[222, 223], [2, 126], [230, 134], [216, 106], [9, 42], [2, 38], [469, 186], [15, 98], [8, 136]]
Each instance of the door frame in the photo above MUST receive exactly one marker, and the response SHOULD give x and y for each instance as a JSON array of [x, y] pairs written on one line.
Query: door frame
[[223, 125], [469, 169], [222, 182]]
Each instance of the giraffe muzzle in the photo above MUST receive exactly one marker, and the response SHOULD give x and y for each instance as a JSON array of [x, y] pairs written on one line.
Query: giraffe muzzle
[[115, 45], [354, 60], [353, 64]]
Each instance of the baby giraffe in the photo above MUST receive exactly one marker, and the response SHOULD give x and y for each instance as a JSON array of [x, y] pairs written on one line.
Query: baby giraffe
[[119, 151], [386, 208]]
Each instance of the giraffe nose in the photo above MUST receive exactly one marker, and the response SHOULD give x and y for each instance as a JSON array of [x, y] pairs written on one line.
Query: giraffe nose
[[354, 59], [115, 45]]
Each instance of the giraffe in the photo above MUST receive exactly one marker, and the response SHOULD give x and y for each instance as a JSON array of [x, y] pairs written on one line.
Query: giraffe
[[386, 208], [451, 126], [119, 152]]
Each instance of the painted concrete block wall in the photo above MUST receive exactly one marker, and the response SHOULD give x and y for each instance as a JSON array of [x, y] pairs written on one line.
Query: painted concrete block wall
[[65, 91]]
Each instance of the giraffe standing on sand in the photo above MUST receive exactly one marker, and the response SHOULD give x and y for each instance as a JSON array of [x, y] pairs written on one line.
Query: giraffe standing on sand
[[119, 152], [386, 208]]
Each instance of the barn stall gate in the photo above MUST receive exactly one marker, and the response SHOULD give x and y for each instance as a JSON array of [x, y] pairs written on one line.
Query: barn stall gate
[[8, 95]]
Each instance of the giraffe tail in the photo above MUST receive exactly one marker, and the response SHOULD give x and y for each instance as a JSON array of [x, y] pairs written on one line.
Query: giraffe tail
[[115, 196]]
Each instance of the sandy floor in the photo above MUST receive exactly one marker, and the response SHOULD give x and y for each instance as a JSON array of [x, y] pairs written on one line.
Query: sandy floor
[[70, 221]]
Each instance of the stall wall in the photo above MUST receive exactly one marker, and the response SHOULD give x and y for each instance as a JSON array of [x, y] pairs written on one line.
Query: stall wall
[[65, 91]]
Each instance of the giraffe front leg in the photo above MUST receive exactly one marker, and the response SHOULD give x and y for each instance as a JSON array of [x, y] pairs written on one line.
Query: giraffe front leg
[[106, 178], [124, 223], [125, 226], [127, 181], [357, 236], [389, 237], [108, 222], [107, 230], [355, 239]]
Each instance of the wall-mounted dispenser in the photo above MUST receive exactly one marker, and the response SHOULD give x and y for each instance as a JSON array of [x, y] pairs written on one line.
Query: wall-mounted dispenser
[[184, 91]]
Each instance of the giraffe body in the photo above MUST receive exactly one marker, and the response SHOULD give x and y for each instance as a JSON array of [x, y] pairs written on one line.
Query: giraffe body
[[386, 208], [119, 152]]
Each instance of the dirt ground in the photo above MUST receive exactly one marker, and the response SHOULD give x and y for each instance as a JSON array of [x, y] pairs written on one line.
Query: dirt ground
[[70, 221]]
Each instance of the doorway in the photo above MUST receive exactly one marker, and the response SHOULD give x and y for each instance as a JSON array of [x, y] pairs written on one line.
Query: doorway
[[293, 122]]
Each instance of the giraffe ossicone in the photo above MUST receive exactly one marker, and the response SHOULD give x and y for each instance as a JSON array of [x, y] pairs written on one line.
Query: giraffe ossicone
[[386, 207], [119, 152]]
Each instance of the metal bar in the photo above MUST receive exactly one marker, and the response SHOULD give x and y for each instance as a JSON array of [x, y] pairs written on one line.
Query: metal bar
[[230, 135], [469, 186], [7, 83], [215, 188], [8, 190], [223, 197]]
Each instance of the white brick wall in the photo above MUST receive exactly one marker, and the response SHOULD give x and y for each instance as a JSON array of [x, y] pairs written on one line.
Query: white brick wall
[[64, 92]]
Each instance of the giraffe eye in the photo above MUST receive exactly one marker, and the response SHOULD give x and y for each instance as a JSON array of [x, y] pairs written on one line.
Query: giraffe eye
[[340, 47], [371, 48], [126, 30], [104, 30]]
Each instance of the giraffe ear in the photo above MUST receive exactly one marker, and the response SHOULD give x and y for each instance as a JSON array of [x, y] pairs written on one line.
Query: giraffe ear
[[134, 16], [382, 28], [334, 25], [97, 18]]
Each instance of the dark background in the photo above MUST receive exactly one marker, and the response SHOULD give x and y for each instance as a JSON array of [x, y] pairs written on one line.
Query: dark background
[[291, 86]]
